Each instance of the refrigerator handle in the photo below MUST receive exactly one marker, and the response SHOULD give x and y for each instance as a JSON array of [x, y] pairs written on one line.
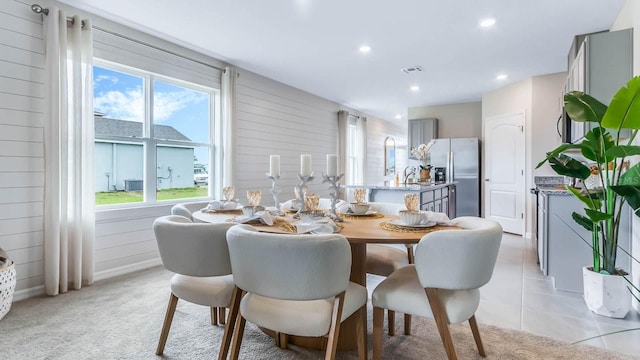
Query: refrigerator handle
[[451, 174]]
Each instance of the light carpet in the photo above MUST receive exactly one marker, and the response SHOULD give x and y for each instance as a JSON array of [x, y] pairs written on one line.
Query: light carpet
[[121, 318]]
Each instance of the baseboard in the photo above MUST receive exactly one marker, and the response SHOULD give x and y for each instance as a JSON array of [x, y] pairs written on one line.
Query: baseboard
[[127, 269], [28, 293]]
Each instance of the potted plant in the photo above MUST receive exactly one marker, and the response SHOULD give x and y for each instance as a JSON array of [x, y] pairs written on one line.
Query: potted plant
[[422, 154], [616, 185]]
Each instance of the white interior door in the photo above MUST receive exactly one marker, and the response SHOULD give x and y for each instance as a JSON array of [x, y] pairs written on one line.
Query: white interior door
[[504, 153]]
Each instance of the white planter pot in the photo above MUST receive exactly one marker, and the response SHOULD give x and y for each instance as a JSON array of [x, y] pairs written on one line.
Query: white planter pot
[[606, 295]]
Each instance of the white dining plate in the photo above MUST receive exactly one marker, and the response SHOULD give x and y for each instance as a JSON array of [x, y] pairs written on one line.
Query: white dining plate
[[368, 213], [398, 222]]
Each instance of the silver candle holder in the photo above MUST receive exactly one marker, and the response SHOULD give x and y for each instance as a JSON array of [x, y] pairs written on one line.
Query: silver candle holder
[[302, 185], [275, 191], [334, 192]]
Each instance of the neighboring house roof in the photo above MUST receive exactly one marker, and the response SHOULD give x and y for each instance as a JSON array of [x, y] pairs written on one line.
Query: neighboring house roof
[[126, 128]]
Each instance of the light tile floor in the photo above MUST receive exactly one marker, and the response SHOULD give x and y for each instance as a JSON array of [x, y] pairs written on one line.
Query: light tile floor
[[520, 297]]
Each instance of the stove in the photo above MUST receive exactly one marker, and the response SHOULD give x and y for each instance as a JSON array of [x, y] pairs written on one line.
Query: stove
[[535, 191]]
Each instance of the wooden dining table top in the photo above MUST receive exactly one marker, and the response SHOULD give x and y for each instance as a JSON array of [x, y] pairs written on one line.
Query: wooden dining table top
[[357, 229]]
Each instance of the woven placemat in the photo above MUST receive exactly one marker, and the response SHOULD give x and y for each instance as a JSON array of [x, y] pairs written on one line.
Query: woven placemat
[[360, 217], [386, 225], [230, 212]]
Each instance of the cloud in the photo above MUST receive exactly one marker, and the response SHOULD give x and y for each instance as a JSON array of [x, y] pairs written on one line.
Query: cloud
[[101, 78], [129, 105], [167, 103]]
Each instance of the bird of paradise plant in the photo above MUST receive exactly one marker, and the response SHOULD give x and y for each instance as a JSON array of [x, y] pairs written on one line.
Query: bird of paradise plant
[[604, 203]]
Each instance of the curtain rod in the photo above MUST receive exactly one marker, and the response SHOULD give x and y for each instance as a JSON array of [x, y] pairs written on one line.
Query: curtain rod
[[44, 11]]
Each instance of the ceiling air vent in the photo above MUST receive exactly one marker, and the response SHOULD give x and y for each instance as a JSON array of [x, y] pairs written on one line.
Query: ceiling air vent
[[412, 70]]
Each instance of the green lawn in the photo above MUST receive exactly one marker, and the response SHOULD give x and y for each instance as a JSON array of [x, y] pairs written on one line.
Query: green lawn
[[122, 197]]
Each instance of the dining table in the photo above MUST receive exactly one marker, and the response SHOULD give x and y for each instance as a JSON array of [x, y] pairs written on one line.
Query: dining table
[[359, 230]]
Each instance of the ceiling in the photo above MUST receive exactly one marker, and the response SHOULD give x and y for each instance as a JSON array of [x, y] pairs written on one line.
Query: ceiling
[[313, 44]]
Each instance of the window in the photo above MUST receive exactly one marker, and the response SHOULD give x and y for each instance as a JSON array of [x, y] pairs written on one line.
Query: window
[[355, 150], [153, 136]]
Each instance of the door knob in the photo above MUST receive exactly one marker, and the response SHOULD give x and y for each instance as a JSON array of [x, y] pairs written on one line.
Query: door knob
[[486, 180]]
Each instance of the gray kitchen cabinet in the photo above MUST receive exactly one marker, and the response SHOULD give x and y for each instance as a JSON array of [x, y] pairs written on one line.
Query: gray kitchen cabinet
[[421, 131], [602, 65], [436, 198], [564, 246]]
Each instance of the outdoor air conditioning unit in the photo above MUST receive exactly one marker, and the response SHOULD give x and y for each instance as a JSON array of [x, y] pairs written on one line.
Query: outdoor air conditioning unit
[[133, 185]]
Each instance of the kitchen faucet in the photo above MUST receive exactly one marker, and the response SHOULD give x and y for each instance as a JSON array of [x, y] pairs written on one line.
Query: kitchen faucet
[[405, 176]]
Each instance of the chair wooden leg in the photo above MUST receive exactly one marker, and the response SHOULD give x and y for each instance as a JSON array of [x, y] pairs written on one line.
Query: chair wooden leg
[[361, 333], [283, 341], [237, 337], [407, 324], [391, 322], [378, 320], [476, 335], [410, 257], [222, 312], [276, 339], [214, 315], [234, 306], [166, 325], [334, 331], [442, 322]]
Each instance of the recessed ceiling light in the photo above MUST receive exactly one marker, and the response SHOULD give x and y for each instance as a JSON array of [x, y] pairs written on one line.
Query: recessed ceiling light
[[398, 116], [415, 88], [364, 48], [489, 22], [501, 77]]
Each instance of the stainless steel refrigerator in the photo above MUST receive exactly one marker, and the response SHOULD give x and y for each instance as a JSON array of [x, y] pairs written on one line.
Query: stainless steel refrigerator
[[461, 159]]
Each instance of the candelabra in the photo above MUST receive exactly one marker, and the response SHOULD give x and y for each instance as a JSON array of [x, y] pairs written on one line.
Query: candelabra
[[275, 191], [302, 185], [334, 189]]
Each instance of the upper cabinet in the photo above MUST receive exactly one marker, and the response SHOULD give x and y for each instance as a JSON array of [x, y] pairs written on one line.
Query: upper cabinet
[[421, 131], [600, 64]]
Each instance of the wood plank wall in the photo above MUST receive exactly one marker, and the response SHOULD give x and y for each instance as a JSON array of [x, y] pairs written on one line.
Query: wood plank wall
[[273, 118], [22, 101]]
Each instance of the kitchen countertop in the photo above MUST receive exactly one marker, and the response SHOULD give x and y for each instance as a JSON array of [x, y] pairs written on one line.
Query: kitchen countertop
[[407, 187], [554, 190]]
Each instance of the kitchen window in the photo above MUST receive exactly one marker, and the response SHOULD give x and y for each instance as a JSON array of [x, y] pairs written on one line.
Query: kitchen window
[[153, 136]]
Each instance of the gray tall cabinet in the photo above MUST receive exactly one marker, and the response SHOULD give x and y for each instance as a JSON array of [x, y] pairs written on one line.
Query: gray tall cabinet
[[421, 131], [599, 65]]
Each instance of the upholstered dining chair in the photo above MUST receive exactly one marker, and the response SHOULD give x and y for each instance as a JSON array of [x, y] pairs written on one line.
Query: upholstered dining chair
[[294, 285], [185, 209], [198, 255], [384, 259], [450, 267]]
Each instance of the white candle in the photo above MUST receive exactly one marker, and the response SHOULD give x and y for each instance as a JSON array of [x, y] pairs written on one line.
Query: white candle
[[332, 165], [274, 165], [305, 164]]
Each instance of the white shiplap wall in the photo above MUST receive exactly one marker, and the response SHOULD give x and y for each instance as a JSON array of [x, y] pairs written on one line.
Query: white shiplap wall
[[21, 141], [273, 118]]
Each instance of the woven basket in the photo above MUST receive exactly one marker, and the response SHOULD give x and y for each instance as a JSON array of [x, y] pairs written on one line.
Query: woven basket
[[7, 287]]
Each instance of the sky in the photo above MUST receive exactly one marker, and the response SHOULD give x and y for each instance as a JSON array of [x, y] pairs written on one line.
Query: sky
[[120, 96]]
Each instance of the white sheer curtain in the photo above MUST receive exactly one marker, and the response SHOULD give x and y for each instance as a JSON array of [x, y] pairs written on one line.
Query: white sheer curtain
[[69, 203], [352, 147], [361, 150], [228, 124]]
